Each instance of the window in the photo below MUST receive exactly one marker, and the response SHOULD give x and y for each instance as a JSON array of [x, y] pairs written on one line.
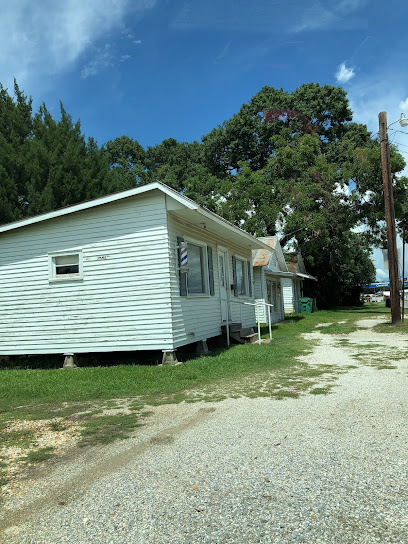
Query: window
[[271, 292], [221, 268], [196, 277], [66, 266], [242, 277]]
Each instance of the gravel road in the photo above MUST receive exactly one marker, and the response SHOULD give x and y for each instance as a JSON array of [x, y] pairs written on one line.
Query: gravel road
[[317, 469]]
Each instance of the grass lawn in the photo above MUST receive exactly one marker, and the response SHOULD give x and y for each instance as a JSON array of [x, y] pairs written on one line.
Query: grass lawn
[[25, 390], [92, 396]]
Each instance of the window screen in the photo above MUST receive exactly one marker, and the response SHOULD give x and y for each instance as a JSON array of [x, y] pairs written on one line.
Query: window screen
[[66, 264]]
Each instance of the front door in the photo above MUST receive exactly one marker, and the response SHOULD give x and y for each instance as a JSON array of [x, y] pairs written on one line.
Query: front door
[[223, 283]]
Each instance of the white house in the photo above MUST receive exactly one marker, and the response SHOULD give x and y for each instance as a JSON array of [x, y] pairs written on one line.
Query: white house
[[293, 286], [111, 275], [269, 267]]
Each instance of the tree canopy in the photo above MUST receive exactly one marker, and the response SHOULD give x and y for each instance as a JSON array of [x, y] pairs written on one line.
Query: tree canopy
[[295, 165], [45, 163], [292, 164]]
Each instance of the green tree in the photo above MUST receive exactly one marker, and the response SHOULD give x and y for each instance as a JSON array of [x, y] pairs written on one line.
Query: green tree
[[62, 168], [295, 164], [180, 165], [249, 135], [173, 162], [15, 137], [126, 159], [45, 163]]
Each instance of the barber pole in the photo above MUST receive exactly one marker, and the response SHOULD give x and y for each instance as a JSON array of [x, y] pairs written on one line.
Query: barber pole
[[183, 257]]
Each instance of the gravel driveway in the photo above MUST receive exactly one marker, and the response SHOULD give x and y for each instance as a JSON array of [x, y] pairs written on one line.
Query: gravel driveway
[[317, 469]]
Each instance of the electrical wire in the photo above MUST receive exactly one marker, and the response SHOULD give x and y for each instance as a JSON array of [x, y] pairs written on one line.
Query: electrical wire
[[399, 143], [402, 132]]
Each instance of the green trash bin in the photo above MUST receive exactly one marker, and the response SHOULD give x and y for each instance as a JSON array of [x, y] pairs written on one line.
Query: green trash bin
[[314, 306], [306, 305]]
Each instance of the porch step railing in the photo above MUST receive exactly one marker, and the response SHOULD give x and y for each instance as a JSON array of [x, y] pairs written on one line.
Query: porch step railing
[[259, 304]]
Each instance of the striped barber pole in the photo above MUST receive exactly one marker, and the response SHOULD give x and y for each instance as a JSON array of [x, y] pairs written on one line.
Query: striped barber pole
[[183, 255]]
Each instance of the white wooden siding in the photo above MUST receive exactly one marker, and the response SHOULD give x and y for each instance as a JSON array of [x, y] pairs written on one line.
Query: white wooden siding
[[291, 295], [199, 317], [287, 295], [123, 301], [260, 293]]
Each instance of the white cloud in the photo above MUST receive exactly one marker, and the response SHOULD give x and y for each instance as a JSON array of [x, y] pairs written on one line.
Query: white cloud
[[137, 42], [41, 39], [223, 52], [103, 59], [319, 16], [404, 106], [263, 15], [375, 94], [344, 74], [381, 275]]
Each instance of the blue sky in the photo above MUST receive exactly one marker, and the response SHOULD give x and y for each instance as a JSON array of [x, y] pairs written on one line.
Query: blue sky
[[153, 69]]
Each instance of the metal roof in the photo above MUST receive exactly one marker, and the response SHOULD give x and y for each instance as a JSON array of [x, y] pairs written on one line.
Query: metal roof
[[292, 267], [261, 257]]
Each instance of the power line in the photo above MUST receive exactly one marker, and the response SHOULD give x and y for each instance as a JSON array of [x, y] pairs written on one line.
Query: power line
[[402, 132], [398, 143]]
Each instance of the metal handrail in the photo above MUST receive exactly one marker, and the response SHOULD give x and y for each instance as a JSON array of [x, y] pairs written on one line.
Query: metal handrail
[[257, 304]]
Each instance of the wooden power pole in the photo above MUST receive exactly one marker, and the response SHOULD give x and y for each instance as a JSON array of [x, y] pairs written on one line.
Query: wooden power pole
[[390, 220]]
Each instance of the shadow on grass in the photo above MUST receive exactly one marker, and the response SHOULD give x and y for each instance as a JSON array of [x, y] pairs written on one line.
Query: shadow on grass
[[89, 360], [366, 308], [216, 345], [294, 317]]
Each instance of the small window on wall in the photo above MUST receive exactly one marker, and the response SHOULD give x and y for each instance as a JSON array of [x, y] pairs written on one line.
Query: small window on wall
[[66, 266]]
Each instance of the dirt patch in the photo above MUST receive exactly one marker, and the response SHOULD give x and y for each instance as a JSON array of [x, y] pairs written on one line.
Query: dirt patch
[[363, 346], [53, 435]]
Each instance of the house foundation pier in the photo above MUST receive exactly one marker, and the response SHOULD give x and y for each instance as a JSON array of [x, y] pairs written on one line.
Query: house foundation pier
[[70, 361], [169, 357], [202, 348]]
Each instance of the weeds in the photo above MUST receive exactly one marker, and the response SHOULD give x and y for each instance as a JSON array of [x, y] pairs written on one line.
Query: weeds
[[21, 438], [107, 429], [57, 426], [41, 455]]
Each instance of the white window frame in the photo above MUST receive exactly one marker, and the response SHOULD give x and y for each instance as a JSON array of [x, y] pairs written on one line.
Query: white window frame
[[203, 245], [245, 276], [54, 277], [274, 290]]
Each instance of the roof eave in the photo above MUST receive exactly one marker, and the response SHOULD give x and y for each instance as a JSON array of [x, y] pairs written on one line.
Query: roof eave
[[188, 203], [251, 241], [305, 276]]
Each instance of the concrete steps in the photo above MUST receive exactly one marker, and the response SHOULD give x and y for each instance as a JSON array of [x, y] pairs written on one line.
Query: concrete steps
[[241, 335]]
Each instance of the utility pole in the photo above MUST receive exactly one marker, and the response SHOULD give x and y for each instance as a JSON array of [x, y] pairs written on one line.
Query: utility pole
[[390, 219], [403, 271]]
